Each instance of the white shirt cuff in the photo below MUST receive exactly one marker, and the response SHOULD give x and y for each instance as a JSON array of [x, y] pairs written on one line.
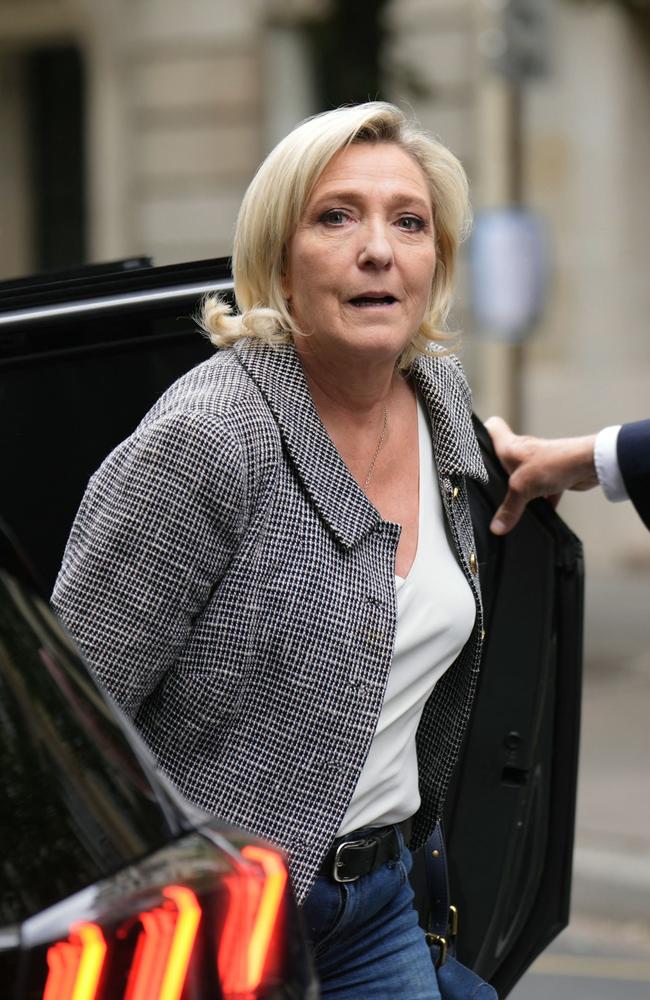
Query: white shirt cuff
[[606, 462]]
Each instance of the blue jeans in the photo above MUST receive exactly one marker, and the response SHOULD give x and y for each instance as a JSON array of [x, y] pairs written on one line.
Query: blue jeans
[[366, 939]]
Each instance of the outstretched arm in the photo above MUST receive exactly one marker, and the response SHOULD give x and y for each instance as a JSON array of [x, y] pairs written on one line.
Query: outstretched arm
[[538, 467], [633, 454]]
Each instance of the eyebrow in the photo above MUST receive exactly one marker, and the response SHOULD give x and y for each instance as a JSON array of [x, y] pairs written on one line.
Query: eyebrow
[[349, 194]]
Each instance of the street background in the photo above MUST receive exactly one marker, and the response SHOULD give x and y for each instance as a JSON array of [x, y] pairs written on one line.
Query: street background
[[605, 952], [132, 127]]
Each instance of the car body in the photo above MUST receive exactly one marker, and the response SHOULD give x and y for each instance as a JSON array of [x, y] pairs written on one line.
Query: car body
[[83, 356], [112, 885]]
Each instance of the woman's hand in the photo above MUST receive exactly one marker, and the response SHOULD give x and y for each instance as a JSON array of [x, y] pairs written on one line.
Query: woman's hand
[[538, 467]]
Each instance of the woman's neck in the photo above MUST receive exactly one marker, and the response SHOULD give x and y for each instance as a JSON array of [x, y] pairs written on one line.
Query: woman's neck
[[352, 386]]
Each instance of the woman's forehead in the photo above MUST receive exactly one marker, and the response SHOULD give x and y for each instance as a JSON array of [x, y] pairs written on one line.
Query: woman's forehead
[[370, 165]]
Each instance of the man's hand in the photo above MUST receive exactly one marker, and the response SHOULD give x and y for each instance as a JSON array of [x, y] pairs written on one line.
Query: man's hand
[[538, 467]]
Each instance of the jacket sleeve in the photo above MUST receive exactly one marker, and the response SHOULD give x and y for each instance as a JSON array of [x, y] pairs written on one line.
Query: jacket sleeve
[[155, 531], [633, 453]]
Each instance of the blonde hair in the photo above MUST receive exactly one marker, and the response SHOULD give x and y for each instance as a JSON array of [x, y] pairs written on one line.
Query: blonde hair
[[276, 199]]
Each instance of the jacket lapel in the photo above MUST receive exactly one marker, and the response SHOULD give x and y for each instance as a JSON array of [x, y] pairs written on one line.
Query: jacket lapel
[[447, 398], [342, 504], [278, 374]]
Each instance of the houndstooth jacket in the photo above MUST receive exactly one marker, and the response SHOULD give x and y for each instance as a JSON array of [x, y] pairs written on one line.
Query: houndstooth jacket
[[233, 589]]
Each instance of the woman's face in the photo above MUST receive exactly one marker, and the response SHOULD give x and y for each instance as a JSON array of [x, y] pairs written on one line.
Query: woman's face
[[360, 264]]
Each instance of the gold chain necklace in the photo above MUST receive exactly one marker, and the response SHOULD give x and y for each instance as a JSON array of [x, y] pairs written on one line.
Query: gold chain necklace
[[380, 443]]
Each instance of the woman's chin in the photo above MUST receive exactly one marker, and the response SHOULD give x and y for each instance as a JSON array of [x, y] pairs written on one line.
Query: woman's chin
[[368, 343], [381, 342]]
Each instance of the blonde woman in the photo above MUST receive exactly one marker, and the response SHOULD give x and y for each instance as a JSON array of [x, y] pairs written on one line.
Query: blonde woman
[[275, 575]]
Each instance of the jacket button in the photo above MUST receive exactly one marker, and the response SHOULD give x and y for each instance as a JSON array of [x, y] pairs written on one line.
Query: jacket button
[[473, 564]]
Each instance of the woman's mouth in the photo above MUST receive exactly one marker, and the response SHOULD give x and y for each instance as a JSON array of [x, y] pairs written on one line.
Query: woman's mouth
[[372, 301]]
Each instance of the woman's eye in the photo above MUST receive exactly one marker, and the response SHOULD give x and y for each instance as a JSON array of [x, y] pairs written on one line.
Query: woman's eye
[[333, 217], [412, 223]]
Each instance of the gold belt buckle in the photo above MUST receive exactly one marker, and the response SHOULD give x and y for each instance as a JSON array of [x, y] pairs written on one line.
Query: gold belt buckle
[[444, 942]]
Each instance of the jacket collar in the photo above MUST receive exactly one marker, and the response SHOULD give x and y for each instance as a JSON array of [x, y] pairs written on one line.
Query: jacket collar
[[446, 395], [279, 375]]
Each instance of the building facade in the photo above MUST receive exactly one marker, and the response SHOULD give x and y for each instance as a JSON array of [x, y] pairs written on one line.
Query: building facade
[[132, 128]]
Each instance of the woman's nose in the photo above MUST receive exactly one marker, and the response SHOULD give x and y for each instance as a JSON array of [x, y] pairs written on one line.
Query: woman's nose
[[376, 248]]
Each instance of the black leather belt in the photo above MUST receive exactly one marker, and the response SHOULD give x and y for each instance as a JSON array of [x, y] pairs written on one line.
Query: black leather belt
[[352, 856]]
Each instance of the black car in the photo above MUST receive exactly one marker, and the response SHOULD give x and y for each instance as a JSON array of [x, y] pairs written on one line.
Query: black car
[[82, 357], [112, 886]]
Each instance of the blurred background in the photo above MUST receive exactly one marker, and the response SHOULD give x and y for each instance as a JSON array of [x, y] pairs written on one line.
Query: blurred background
[[133, 128]]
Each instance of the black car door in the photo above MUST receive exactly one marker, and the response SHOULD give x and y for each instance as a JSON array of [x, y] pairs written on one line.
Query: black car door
[[510, 814]]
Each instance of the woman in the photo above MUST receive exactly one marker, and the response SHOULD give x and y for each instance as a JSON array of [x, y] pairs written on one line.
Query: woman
[[275, 570]]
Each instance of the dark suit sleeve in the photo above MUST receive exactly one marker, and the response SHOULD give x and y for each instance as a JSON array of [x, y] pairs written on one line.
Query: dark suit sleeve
[[633, 453]]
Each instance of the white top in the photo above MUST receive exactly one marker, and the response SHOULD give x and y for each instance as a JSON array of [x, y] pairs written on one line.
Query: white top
[[435, 616], [606, 462]]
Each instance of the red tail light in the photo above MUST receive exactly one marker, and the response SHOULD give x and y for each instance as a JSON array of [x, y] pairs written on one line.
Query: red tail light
[[164, 948], [75, 965], [245, 946], [219, 929]]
